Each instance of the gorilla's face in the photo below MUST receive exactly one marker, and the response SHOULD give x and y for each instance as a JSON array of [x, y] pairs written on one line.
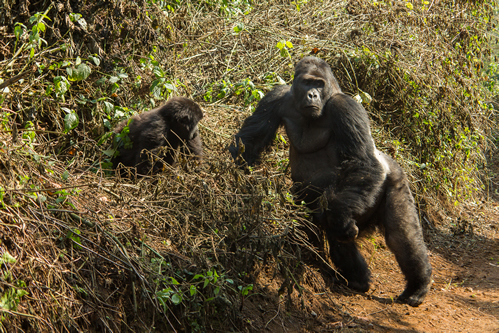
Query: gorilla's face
[[312, 86], [185, 128], [310, 94]]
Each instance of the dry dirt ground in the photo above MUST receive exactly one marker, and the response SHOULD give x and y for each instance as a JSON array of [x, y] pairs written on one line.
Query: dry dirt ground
[[464, 296]]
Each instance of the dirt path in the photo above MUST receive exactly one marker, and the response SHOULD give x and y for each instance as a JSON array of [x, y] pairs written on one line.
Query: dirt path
[[464, 296]]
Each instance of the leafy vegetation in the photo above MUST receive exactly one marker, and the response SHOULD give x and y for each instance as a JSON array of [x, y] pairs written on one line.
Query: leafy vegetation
[[183, 250]]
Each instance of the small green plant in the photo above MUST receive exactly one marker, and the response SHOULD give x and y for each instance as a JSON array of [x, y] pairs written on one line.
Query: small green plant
[[238, 28], [78, 18], [71, 120], [29, 135], [61, 86], [74, 235], [38, 28], [250, 93], [80, 72], [245, 290], [161, 87], [7, 258], [63, 197], [218, 91], [11, 298], [169, 295], [2, 195], [284, 46], [298, 4]]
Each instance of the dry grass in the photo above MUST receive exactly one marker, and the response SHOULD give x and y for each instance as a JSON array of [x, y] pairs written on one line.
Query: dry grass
[[93, 250]]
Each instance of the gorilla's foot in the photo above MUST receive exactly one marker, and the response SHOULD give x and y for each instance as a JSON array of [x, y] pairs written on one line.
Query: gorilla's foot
[[361, 286], [413, 297]]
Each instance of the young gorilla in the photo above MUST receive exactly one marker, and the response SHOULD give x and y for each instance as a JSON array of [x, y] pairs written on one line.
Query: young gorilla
[[160, 132], [332, 154]]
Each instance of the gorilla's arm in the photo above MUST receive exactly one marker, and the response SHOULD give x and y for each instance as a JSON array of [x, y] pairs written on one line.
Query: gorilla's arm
[[259, 129], [352, 135]]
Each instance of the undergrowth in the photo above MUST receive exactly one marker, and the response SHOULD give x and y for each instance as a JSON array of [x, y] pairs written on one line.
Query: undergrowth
[[84, 248]]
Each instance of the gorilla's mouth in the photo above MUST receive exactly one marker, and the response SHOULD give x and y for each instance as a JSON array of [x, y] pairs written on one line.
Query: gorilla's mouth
[[312, 108]]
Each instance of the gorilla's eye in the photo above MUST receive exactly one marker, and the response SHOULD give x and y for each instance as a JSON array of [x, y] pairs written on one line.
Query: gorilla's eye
[[314, 83]]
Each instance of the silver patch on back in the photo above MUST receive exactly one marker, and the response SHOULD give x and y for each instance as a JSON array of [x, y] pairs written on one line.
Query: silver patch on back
[[382, 161]]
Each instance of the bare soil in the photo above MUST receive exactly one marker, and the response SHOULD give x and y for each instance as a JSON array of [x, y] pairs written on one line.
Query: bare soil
[[464, 296]]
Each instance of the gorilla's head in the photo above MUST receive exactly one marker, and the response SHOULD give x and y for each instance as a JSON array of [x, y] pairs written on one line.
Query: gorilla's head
[[313, 85]]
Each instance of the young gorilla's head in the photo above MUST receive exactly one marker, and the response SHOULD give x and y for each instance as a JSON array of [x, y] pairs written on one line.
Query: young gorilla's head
[[183, 115], [313, 85]]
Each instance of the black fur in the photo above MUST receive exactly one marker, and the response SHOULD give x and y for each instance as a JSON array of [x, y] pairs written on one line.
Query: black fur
[[160, 132], [337, 170]]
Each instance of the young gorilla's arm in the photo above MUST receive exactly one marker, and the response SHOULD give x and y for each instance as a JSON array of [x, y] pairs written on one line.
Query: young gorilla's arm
[[259, 129]]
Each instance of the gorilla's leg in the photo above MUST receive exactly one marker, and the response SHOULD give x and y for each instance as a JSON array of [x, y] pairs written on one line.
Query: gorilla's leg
[[404, 237], [350, 263], [357, 193]]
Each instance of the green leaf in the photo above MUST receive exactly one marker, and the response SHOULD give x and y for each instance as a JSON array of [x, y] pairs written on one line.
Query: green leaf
[[18, 31], [206, 282], [101, 81], [71, 121], [158, 72], [176, 299], [79, 73], [114, 79], [156, 89], [61, 85], [193, 290], [78, 61], [40, 26], [239, 27], [280, 45], [289, 44], [173, 281], [245, 290], [284, 53], [74, 17], [108, 107], [109, 152], [65, 175], [7, 258], [95, 59], [169, 86]]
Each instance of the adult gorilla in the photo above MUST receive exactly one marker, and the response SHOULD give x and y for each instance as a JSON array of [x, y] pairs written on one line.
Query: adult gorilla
[[331, 149]]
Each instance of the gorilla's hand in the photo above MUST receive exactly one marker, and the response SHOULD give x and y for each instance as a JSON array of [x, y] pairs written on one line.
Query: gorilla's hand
[[346, 232]]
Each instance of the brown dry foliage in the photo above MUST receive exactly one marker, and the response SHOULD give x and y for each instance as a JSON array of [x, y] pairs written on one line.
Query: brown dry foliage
[[95, 256]]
